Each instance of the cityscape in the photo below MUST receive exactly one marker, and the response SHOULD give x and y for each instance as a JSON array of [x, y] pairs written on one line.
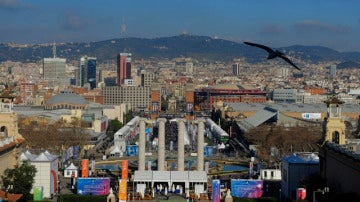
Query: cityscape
[[178, 117]]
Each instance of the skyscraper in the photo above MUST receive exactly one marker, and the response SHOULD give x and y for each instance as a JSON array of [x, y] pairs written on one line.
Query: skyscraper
[[54, 71], [87, 72], [235, 68], [123, 68], [333, 71]]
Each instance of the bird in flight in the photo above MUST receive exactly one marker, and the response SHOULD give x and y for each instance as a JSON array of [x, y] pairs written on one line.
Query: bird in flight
[[273, 53]]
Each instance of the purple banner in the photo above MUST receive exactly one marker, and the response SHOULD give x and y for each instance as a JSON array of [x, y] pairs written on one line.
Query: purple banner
[[93, 186], [246, 188]]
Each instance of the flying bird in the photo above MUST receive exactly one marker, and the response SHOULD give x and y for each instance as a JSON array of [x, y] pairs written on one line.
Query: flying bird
[[273, 53]]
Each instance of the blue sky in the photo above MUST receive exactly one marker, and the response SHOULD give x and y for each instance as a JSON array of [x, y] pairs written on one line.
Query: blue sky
[[331, 23]]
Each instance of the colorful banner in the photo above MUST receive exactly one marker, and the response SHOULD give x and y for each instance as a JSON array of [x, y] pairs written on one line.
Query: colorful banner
[[85, 168], [124, 169], [93, 186], [122, 190], [246, 188], [215, 191]]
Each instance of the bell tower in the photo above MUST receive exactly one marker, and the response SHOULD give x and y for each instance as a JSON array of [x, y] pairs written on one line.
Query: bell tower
[[334, 123]]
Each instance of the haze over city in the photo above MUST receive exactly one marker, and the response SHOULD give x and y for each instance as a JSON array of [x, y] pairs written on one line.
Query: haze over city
[[334, 23]]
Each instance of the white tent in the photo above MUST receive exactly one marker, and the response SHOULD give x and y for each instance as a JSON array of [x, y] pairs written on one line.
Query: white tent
[[71, 170]]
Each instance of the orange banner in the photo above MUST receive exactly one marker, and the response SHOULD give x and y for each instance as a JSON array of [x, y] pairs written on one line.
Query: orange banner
[[84, 168], [124, 169], [122, 190]]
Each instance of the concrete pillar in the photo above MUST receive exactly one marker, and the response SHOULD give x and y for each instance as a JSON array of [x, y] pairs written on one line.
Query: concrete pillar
[[142, 144], [181, 152], [200, 145], [161, 146]]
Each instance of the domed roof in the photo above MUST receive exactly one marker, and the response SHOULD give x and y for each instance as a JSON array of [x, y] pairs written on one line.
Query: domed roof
[[67, 97]]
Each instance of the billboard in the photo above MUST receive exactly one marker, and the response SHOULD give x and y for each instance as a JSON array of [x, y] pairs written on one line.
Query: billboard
[[155, 108], [93, 186], [38, 193], [246, 188], [311, 115]]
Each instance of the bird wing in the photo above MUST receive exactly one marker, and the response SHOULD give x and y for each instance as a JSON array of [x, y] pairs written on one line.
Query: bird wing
[[289, 61], [260, 46]]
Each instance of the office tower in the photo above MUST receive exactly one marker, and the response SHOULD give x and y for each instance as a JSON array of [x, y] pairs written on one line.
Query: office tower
[[54, 71], [333, 71], [87, 72], [123, 67], [235, 68]]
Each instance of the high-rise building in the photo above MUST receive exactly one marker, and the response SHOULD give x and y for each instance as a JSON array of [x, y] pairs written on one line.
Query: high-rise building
[[147, 78], [123, 68], [333, 71], [54, 71], [87, 72], [235, 68]]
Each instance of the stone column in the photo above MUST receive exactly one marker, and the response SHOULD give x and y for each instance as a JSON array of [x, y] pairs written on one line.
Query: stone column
[[142, 144], [181, 152], [161, 145], [200, 145]]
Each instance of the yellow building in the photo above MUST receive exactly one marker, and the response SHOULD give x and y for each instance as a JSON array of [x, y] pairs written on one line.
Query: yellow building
[[10, 139]]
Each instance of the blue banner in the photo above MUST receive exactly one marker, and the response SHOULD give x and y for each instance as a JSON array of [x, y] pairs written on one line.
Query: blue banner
[[215, 191]]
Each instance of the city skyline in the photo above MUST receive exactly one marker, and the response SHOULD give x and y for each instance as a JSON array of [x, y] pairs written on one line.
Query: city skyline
[[334, 23]]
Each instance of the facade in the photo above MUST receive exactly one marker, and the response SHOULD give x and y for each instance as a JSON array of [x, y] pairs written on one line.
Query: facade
[[137, 96], [46, 165], [340, 168], [189, 66], [87, 72], [147, 78], [117, 111], [54, 71], [285, 95], [295, 168], [205, 98], [123, 67], [10, 139]]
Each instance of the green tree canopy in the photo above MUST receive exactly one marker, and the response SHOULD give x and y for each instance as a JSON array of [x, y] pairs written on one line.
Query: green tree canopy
[[20, 179]]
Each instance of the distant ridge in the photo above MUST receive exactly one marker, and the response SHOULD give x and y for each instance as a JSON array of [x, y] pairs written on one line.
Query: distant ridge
[[184, 45]]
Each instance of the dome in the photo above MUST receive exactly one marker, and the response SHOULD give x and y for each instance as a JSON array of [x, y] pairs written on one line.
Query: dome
[[66, 100]]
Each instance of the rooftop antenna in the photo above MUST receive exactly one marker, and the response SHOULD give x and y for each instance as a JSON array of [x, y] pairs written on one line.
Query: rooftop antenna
[[54, 50]]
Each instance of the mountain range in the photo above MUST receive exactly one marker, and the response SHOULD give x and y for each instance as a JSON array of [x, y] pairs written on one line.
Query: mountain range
[[202, 48]]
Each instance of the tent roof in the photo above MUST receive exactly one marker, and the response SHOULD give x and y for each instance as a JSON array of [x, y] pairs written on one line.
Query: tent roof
[[71, 167]]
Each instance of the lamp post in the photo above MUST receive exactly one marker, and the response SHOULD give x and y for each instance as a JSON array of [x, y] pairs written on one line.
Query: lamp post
[[323, 191]]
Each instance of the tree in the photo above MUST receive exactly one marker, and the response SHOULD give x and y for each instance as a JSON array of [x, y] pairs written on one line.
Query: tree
[[114, 125], [20, 179]]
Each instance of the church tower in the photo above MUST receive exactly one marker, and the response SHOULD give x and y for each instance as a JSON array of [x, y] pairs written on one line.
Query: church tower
[[334, 123]]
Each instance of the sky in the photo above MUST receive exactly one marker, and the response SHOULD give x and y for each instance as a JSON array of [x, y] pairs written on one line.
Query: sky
[[276, 23]]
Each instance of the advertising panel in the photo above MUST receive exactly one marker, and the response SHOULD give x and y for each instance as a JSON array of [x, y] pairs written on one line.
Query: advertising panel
[[246, 188], [124, 169], [215, 191], [93, 186], [85, 168], [311, 115], [122, 190]]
